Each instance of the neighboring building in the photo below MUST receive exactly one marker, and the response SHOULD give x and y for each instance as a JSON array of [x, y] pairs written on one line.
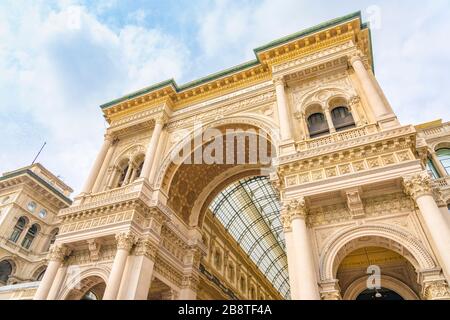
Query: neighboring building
[[349, 191], [30, 199]]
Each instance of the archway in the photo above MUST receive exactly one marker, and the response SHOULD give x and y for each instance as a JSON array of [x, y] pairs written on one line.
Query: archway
[[398, 278], [6, 270], [235, 150], [89, 288]]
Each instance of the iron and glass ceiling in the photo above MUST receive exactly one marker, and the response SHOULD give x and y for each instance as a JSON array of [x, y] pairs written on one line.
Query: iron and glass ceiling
[[250, 211]]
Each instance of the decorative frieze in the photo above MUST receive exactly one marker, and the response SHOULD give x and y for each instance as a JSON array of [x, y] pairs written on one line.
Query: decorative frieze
[[360, 165]]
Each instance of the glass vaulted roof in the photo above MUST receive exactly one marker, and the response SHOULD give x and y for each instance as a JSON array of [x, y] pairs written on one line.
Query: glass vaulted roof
[[250, 211]]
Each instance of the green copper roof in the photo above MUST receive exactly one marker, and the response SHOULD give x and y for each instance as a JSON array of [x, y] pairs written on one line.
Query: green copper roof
[[240, 67]]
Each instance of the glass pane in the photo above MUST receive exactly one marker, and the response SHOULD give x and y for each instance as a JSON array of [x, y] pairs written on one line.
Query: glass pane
[[250, 211]]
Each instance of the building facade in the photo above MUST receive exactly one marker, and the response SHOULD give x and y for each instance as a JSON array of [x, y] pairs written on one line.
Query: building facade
[[30, 199], [288, 177]]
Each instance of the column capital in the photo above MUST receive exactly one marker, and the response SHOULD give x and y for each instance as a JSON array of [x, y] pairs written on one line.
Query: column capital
[[418, 185], [125, 240], [146, 247], [58, 252], [190, 281], [355, 56], [161, 119], [354, 100], [294, 209], [279, 81], [436, 290]]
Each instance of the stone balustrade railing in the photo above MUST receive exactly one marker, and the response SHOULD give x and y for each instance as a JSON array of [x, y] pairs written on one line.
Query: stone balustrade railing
[[337, 137]]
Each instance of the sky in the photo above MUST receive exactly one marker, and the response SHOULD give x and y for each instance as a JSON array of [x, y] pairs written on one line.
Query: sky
[[59, 60]]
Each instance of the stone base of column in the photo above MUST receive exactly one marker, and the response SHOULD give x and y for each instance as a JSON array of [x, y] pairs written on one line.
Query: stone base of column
[[287, 147], [388, 121]]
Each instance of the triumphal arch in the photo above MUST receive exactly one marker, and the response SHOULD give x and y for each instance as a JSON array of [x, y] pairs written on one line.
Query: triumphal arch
[[286, 177]]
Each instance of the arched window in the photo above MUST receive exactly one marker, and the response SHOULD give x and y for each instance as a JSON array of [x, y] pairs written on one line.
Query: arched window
[[444, 157], [122, 177], [29, 237], [432, 171], [6, 269], [342, 118], [18, 228], [317, 125], [139, 169]]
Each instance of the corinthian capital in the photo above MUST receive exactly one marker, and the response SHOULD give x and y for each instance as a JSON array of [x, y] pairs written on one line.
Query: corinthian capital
[[146, 247], [355, 56], [294, 209], [58, 252], [125, 240], [418, 185], [436, 290]]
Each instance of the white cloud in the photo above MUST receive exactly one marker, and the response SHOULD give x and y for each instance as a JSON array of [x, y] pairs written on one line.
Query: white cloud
[[58, 65]]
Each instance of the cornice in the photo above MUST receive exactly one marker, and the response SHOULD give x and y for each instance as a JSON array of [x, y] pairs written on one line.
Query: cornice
[[331, 33]]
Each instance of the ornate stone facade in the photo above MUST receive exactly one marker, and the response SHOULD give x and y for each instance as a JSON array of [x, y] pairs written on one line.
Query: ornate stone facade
[[352, 182]]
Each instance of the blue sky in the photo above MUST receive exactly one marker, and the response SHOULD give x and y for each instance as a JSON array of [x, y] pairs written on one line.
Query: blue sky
[[59, 60]]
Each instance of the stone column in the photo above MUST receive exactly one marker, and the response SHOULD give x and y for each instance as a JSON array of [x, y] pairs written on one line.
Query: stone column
[[55, 257], [419, 187], [124, 243], [104, 166], [97, 164], [283, 110], [290, 252], [151, 148], [128, 173], [305, 275], [438, 165], [373, 96], [139, 277], [57, 283], [329, 120]]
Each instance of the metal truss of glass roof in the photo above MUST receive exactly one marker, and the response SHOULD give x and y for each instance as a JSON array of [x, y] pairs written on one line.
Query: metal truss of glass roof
[[250, 211]]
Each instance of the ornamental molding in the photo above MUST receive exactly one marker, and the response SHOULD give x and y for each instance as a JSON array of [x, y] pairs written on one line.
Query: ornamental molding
[[338, 240], [222, 111], [321, 50]]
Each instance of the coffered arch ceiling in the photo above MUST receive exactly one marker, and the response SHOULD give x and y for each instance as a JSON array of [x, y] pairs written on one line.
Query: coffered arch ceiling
[[187, 182]]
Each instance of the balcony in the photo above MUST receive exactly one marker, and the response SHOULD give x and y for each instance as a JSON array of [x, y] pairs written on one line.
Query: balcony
[[336, 137], [128, 192]]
